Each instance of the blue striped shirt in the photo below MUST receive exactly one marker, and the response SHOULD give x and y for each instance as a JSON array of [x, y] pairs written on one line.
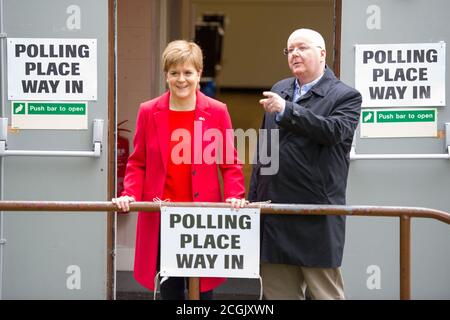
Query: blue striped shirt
[[298, 93]]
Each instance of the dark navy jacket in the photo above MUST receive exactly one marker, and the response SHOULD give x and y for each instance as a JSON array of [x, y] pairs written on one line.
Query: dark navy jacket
[[315, 137]]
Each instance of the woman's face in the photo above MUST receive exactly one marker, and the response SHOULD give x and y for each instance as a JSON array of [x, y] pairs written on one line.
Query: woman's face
[[183, 80]]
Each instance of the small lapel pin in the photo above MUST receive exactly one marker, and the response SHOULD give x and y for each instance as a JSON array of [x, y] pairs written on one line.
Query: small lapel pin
[[201, 119]]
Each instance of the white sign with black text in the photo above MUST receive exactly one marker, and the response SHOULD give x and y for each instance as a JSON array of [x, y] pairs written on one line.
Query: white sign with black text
[[52, 69], [400, 75], [209, 242]]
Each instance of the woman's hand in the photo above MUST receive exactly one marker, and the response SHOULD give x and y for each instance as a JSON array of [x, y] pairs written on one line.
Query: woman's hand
[[123, 203], [237, 203]]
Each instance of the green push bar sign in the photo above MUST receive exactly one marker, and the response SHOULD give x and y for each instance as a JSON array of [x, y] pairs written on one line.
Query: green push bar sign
[[49, 115], [398, 123]]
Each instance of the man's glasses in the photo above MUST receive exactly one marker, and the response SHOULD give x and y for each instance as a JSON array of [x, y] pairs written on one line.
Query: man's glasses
[[300, 49]]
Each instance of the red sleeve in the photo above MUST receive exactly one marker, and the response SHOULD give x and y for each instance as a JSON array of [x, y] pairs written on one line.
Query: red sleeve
[[135, 172]]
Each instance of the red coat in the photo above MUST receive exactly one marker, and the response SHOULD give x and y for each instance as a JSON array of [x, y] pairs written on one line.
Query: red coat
[[146, 172]]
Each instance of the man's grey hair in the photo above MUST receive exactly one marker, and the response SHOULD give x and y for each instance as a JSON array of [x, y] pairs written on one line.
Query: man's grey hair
[[314, 37]]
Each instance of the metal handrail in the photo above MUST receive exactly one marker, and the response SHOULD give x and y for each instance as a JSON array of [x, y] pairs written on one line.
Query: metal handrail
[[405, 156], [404, 213], [97, 139], [398, 156], [96, 153]]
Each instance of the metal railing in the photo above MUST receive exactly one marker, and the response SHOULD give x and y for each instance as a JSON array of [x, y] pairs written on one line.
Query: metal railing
[[97, 140], [403, 213], [406, 156]]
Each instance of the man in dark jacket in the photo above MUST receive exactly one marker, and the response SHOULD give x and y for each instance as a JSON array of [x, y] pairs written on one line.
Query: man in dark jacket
[[316, 115]]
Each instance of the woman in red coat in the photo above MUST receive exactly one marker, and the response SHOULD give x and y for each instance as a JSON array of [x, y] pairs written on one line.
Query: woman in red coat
[[173, 159]]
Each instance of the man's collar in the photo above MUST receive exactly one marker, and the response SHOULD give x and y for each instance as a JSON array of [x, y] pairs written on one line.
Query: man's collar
[[320, 88], [307, 85], [311, 83]]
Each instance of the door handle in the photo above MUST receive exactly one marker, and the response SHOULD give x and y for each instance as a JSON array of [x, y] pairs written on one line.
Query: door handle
[[97, 140]]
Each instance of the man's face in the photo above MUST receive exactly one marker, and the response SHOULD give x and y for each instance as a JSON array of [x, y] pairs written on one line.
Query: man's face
[[305, 58]]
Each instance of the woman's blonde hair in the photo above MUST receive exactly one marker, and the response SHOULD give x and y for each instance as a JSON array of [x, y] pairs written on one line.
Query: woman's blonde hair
[[181, 51]]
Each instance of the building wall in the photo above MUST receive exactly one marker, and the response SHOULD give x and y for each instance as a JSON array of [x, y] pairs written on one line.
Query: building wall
[[256, 33]]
